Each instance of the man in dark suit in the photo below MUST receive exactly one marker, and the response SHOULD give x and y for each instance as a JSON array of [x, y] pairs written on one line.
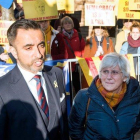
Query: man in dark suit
[[31, 109]]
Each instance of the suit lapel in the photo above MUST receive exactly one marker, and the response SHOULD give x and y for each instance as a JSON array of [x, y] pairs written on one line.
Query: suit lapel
[[23, 94], [52, 91]]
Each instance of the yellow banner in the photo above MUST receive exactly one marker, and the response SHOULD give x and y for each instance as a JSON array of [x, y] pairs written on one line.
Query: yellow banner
[[134, 4], [68, 5], [125, 13], [99, 14], [40, 9], [4, 25]]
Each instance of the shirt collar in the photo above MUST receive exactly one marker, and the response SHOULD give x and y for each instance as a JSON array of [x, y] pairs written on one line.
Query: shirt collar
[[28, 76]]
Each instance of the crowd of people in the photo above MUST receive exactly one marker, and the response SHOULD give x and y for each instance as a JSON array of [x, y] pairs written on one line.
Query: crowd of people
[[32, 95]]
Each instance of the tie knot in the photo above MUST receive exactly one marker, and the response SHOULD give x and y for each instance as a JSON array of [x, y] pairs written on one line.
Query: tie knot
[[37, 77]]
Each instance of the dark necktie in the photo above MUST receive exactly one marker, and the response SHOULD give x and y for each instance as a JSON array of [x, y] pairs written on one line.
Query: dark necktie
[[41, 95]]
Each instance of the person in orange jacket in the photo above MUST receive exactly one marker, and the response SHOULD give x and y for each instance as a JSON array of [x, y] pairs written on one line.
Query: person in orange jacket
[[99, 43]]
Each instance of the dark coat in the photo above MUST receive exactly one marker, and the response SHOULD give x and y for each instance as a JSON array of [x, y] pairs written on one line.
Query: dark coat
[[21, 118], [102, 122]]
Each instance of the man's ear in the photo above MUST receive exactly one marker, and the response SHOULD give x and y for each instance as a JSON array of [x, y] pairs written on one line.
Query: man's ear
[[14, 52]]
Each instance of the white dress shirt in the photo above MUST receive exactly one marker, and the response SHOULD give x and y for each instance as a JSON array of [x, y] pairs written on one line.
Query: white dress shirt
[[28, 76]]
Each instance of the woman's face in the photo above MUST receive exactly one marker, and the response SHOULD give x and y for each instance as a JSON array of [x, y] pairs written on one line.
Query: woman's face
[[112, 79], [128, 25], [44, 24], [98, 31], [67, 26], [135, 33]]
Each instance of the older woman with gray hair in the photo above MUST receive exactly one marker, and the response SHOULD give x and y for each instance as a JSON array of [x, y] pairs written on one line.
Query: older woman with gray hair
[[75, 44], [110, 108]]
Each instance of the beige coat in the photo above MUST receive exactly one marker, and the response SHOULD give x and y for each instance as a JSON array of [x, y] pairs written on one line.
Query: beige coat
[[120, 39]]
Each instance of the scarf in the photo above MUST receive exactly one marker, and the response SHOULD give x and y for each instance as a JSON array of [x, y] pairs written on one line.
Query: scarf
[[113, 99], [68, 34], [133, 43], [48, 34]]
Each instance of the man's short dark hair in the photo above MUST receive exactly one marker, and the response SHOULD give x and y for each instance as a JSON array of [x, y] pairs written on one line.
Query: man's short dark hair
[[21, 24]]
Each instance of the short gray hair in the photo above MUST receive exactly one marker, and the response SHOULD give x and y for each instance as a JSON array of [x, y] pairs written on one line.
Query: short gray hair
[[67, 19], [114, 59]]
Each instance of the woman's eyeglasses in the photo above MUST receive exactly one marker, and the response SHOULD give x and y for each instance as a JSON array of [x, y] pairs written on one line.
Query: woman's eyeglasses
[[113, 72]]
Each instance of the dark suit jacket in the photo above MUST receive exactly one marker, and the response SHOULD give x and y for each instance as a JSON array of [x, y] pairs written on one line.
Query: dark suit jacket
[[21, 118]]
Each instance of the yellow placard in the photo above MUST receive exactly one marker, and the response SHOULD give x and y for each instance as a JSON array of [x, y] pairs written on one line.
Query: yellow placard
[[40, 9], [134, 4], [125, 13], [4, 25], [105, 1], [99, 14], [19, 1], [68, 5]]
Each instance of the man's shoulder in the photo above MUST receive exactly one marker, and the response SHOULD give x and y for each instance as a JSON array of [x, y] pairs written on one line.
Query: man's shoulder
[[5, 77], [52, 68], [5, 80]]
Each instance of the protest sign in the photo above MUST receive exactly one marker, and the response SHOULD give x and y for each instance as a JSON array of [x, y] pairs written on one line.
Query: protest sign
[[134, 4], [40, 9], [19, 1], [68, 5], [105, 1], [4, 25], [125, 13], [99, 15]]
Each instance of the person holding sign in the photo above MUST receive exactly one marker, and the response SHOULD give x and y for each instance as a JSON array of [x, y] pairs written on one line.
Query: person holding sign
[[132, 46], [99, 43], [19, 7], [55, 46], [110, 108], [122, 36], [75, 44]]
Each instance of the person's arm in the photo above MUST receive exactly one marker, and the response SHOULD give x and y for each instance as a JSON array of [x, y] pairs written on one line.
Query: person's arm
[[124, 48], [119, 41], [137, 125], [87, 49], [77, 116], [62, 54], [82, 46], [111, 47], [3, 120]]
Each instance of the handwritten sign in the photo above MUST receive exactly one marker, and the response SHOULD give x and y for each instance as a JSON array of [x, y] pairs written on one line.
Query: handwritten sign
[[134, 4], [40, 9], [68, 5], [4, 25], [99, 15], [125, 13], [105, 1]]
